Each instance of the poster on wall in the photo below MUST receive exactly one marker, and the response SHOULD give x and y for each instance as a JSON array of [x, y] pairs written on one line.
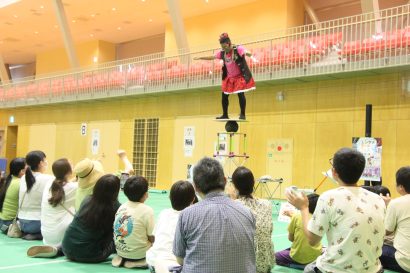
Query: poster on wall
[[189, 140], [95, 141], [221, 147], [371, 148], [83, 130], [279, 162]]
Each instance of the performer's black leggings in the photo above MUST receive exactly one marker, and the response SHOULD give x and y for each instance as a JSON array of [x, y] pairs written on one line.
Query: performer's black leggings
[[225, 103]]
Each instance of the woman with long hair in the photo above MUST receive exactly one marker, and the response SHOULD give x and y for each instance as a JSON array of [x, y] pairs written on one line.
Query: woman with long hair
[[32, 186], [89, 238], [57, 210], [244, 181], [9, 193]]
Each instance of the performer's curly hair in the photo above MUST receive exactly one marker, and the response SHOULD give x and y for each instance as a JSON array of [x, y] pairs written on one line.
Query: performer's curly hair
[[224, 38]]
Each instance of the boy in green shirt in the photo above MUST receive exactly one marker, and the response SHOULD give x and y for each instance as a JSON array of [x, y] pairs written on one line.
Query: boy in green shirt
[[301, 252]]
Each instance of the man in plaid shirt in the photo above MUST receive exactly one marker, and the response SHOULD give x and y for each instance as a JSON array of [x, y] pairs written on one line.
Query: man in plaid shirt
[[216, 234]]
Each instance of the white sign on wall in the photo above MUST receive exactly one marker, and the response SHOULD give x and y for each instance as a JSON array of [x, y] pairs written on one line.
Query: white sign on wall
[[95, 141], [189, 140], [83, 130]]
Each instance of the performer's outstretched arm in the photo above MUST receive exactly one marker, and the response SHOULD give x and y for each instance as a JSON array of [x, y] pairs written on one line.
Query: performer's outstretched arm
[[207, 58]]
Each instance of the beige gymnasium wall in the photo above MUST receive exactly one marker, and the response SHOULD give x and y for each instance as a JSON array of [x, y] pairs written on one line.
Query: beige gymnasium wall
[[319, 117]]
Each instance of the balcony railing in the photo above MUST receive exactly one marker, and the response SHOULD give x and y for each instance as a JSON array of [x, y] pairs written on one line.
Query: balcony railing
[[362, 42]]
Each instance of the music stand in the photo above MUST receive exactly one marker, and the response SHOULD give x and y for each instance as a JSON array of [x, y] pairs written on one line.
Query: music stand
[[263, 183]]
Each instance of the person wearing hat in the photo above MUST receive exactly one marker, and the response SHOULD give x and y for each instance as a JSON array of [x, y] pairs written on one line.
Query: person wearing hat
[[236, 75], [88, 172]]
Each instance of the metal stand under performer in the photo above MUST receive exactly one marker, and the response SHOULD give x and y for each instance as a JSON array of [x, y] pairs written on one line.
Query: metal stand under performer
[[236, 75]]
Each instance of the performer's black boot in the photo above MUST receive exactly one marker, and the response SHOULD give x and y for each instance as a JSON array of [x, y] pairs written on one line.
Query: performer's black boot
[[242, 104], [225, 104]]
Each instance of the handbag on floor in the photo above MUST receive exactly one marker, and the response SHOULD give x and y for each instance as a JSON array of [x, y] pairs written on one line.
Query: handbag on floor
[[14, 230]]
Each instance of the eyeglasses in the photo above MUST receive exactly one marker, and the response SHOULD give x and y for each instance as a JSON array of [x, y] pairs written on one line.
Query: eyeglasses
[[331, 161]]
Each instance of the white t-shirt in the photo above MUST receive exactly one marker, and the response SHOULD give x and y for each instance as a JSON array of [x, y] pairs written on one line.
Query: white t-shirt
[[352, 219], [133, 223], [31, 207], [55, 220], [398, 220], [164, 233]]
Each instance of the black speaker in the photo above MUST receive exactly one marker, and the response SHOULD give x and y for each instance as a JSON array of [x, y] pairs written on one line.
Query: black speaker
[[231, 126], [368, 132]]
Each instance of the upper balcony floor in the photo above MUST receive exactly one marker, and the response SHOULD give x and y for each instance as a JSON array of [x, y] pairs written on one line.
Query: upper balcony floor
[[342, 47]]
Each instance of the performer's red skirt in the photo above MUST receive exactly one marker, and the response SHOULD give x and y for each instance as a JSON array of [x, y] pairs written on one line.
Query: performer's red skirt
[[237, 85]]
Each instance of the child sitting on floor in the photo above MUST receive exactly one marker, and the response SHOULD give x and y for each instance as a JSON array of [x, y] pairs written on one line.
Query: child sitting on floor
[[160, 256], [301, 252], [133, 225]]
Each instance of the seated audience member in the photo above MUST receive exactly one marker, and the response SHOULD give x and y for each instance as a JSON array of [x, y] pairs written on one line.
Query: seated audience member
[[351, 217], [57, 210], [88, 172], [133, 225], [243, 181], [385, 193], [378, 189], [89, 237], [216, 234], [301, 252], [32, 186], [9, 193], [397, 256], [160, 256], [381, 190]]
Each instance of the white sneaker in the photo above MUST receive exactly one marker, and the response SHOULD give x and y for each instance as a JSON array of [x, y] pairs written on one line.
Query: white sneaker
[[136, 264], [42, 251], [116, 261]]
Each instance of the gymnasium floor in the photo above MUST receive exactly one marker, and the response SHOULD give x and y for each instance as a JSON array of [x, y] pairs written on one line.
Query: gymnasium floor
[[13, 251]]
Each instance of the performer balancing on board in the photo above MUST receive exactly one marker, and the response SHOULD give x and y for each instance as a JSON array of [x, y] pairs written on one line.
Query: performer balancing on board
[[236, 76]]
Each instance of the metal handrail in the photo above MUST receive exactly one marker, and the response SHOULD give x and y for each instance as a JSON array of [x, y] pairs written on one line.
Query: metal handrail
[[341, 45]]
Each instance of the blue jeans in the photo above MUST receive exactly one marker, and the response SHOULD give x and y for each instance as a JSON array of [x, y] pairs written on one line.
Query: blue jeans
[[388, 259], [30, 226], [4, 224]]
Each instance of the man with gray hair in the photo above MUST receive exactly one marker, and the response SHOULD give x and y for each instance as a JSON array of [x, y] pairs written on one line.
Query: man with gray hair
[[216, 234]]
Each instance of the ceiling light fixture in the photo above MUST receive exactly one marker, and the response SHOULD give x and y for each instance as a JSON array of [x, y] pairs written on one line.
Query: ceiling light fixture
[[15, 16], [73, 21], [93, 15], [150, 20], [113, 9], [35, 32], [5, 3], [118, 28], [41, 7], [91, 35]]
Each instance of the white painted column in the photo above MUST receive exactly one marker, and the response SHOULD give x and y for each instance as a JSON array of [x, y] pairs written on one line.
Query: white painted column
[[4, 74], [177, 21], [373, 6], [65, 31], [312, 14]]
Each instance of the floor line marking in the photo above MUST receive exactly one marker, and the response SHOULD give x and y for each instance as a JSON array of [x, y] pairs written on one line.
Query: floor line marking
[[32, 264]]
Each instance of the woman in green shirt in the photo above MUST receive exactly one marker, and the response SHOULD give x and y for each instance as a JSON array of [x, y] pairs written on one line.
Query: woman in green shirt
[[9, 193]]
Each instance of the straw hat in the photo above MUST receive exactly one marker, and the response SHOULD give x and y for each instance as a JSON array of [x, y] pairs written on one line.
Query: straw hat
[[88, 172]]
